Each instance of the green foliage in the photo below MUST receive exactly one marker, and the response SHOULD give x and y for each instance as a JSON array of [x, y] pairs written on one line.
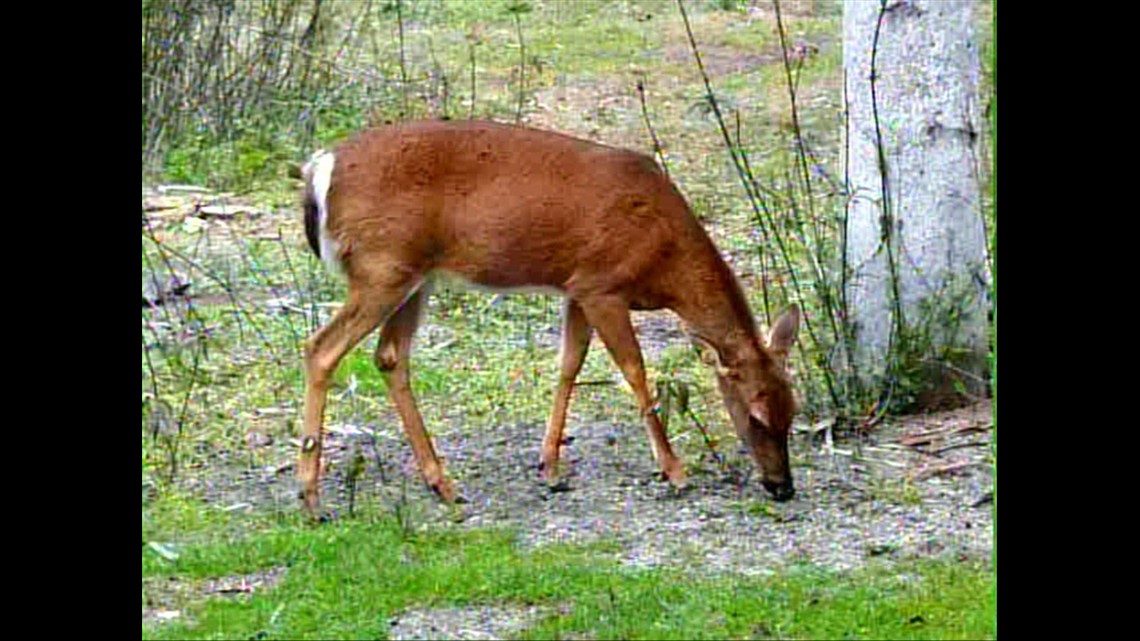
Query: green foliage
[[729, 5], [928, 364]]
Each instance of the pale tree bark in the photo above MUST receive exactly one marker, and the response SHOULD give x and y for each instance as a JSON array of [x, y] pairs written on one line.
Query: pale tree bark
[[916, 249]]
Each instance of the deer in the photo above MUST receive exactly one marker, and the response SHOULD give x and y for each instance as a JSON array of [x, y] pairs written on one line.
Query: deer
[[511, 208]]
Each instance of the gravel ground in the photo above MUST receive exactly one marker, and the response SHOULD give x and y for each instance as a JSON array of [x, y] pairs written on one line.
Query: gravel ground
[[894, 500], [921, 488], [464, 623]]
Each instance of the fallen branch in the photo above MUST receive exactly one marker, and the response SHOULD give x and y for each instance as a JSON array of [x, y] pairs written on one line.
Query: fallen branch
[[939, 452], [952, 468]]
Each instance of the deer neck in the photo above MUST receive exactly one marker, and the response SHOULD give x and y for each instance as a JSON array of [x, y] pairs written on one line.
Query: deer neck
[[720, 316]]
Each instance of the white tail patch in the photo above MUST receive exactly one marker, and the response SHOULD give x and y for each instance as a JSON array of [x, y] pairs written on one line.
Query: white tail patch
[[318, 172]]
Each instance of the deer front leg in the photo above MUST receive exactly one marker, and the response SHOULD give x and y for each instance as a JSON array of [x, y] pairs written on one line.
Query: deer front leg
[[392, 359], [575, 343], [610, 316]]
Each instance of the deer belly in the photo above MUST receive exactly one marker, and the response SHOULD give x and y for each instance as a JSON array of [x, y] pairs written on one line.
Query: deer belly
[[464, 279]]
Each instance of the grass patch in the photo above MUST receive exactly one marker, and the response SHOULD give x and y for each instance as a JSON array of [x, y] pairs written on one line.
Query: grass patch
[[348, 580]]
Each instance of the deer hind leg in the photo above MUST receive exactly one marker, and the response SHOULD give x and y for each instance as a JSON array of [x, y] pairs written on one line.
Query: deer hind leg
[[575, 343], [393, 361], [611, 318], [363, 312]]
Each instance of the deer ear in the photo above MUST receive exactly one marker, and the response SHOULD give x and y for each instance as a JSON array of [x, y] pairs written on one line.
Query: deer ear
[[783, 334]]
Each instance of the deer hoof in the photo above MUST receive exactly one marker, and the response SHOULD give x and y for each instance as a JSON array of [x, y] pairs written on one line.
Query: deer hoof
[[675, 472], [443, 489], [556, 486]]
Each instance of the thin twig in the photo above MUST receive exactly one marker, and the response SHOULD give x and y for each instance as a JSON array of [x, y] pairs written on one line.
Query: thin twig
[[886, 222], [403, 61], [685, 409], [516, 9], [658, 151], [761, 212], [227, 288]]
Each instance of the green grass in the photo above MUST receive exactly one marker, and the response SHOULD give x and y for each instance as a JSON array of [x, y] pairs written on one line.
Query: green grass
[[347, 581]]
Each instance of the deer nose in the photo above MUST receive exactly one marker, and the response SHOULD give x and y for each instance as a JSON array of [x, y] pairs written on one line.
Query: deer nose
[[780, 491]]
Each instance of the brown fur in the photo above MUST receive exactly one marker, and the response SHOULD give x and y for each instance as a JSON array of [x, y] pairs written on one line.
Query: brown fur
[[504, 206]]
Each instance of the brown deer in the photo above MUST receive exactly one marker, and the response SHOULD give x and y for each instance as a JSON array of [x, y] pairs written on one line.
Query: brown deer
[[509, 207]]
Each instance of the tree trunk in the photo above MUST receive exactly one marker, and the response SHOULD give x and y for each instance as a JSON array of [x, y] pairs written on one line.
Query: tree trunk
[[916, 239]]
